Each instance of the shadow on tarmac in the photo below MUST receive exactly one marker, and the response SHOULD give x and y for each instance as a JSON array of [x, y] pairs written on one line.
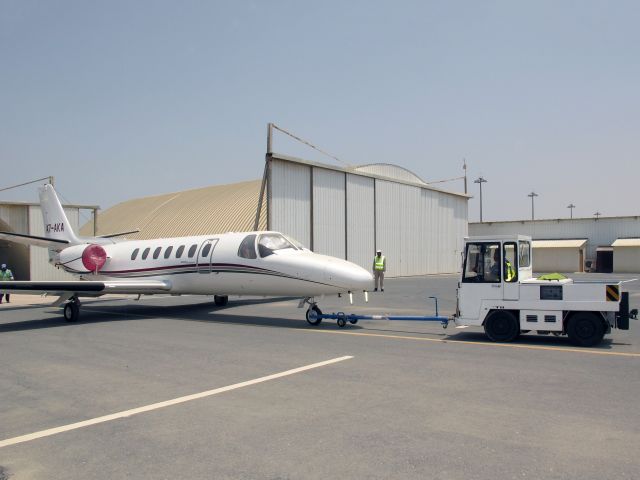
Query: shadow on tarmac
[[210, 313]]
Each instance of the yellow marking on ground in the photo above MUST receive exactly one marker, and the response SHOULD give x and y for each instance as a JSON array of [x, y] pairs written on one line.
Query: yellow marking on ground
[[486, 344]]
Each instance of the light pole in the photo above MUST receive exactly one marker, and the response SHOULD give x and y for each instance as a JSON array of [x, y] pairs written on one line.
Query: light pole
[[571, 206], [597, 215], [532, 195], [480, 181]]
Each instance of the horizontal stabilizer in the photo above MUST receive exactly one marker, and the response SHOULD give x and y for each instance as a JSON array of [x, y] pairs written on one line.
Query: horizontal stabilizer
[[88, 288], [120, 234], [32, 240]]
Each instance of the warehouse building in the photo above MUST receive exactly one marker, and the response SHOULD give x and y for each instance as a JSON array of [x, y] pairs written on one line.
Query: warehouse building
[[559, 255], [626, 255], [600, 235], [343, 212]]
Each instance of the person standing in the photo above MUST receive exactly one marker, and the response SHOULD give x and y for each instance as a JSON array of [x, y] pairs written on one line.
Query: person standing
[[379, 267], [5, 275]]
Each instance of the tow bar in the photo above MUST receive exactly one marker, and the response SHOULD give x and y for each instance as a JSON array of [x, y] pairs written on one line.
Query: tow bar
[[342, 318]]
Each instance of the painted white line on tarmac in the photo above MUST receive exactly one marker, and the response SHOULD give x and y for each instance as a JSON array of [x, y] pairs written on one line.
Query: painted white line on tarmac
[[155, 406]]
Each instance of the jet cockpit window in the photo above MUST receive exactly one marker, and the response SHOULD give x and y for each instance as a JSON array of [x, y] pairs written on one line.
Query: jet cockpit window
[[247, 247], [270, 242], [296, 243]]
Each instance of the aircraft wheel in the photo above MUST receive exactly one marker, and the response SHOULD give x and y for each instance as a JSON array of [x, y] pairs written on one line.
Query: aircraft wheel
[[501, 326], [220, 300], [585, 329], [312, 313], [342, 322], [71, 312]]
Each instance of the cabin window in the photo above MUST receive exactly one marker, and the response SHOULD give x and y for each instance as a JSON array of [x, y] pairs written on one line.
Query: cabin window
[[482, 263], [179, 251], [510, 272], [145, 254], [156, 252], [525, 254], [270, 242], [167, 252], [134, 254], [247, 247], [192, 250], [206, 250]]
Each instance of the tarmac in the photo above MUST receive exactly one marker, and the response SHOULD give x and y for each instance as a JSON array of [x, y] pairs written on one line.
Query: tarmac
[[175, 387]]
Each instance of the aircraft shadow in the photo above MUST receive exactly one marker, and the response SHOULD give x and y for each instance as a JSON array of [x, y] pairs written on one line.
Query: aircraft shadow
[[208, 312], [95, 312]]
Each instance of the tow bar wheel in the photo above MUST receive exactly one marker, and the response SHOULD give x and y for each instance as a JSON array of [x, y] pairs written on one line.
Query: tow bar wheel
[[312, 315]]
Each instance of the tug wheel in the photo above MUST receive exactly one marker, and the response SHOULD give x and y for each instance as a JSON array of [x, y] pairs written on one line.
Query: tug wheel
[[585, 329], [501, 326], [312, 313]]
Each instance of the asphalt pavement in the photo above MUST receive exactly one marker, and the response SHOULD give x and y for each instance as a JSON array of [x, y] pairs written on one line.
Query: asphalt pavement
[[175, 387]]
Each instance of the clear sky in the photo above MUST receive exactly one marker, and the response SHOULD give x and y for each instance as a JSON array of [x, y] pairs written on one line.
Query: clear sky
[[121, 99]]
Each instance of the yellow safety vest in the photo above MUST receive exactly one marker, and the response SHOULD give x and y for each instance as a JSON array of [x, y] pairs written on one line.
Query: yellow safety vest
[[379, 262], [511, 273]]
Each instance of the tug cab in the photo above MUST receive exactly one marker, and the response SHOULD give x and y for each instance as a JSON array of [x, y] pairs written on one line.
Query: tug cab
[[497, 291]]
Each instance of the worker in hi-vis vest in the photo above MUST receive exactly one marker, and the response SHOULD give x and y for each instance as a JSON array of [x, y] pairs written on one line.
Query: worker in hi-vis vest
[[5, 275], [379, 267]]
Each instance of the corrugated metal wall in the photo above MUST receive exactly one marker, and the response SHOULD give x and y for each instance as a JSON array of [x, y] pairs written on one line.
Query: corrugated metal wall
[[360, 220], [329, 212], [290, 200], [40, 267], [15, 218], [601, 232], [420, 230]]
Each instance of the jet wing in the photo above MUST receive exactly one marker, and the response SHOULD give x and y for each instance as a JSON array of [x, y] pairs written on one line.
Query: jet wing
[[32, 240], [88, 288]]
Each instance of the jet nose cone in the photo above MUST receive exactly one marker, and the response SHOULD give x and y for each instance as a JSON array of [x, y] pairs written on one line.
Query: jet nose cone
[[349, 276]]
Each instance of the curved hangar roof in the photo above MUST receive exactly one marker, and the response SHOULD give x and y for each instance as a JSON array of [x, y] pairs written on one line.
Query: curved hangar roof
[[215, 209], [390, 171]]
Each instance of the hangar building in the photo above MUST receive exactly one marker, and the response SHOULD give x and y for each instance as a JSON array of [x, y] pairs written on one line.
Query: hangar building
[[28, 262], [343, 212]]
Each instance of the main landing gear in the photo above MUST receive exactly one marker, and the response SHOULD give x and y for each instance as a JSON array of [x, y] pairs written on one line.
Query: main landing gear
[[220, 300], [71, 309]]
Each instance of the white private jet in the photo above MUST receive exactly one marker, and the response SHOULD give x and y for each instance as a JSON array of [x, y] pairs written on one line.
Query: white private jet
[[249, 263]]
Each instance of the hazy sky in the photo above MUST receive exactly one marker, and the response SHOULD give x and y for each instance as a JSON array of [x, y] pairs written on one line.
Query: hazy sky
[[120, 99]]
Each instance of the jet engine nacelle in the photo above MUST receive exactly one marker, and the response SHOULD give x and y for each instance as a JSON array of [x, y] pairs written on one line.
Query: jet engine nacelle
[[87, 258]]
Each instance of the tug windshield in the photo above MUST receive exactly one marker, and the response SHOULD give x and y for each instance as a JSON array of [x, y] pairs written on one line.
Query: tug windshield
[[482, 263]]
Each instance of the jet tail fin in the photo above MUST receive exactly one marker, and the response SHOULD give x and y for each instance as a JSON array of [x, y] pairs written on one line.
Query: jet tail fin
[[56, 223]]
